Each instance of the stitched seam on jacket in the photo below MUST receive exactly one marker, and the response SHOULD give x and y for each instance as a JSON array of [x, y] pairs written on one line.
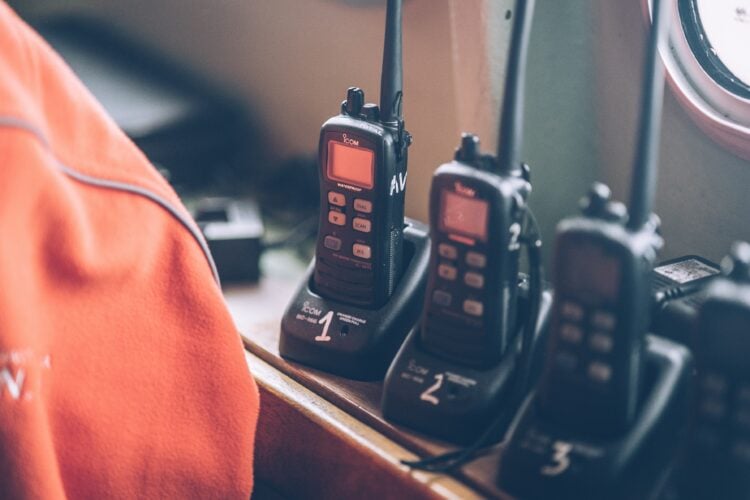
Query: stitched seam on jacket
[[13, 122]]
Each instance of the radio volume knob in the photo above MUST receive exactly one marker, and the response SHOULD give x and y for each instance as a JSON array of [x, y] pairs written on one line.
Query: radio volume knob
[[469, 149], [371, 112], [737, 264], [355, 98]]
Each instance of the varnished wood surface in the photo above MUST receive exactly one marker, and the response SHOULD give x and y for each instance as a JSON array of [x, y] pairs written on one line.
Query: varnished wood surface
[[308, 448], [258, 309]]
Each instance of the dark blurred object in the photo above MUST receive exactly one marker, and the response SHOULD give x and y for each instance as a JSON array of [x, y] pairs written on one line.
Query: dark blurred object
[[198, 134], [291, 188], [233, 230]]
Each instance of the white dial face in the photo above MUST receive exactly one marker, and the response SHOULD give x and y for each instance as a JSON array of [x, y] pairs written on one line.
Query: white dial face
[[727, 26]]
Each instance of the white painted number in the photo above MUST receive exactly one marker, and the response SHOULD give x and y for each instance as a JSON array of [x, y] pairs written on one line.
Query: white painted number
[[515, 232], [326, 322], [428, 394], [561, 460]]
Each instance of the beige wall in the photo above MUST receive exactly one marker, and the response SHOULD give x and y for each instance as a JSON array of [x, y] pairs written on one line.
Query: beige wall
[[292, 61]]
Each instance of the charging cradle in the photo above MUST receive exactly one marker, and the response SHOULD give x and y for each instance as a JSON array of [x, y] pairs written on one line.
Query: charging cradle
[[352, 341], [544, 460], [450, 400]]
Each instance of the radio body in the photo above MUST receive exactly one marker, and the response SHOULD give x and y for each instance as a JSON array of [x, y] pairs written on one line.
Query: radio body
[[359, 251], [470, 306]]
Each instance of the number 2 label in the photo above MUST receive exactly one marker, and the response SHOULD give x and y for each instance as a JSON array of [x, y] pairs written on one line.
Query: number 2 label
[[428, 395], [515, 233], [326, 322]]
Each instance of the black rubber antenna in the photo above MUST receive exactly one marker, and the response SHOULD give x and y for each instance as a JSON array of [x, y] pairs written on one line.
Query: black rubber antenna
[[645, 169], [510, 138], [391, 79]]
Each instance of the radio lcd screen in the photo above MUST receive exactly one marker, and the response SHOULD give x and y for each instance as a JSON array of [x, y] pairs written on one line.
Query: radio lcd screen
[[351, 164], [463, 215]]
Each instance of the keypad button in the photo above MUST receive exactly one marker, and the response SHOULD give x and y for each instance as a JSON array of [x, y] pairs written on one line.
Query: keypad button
[[473, 307], [741, 451], [474, 280], [601, 342], [442, 298], [706, 436], [742, 419], [363, 206], [361, 251], [714, 384], [712, 409], [447, 251], [600, 372], [602, 320], [571, 333], [447, 272], [332, 243], [337, 199], [337, 218], [571, 311], [476, 259], [361, 225], [566, 361]]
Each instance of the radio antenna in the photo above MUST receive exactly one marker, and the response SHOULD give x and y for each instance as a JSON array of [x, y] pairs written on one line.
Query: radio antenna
[[391, 79], [643, 186], [510, 138]]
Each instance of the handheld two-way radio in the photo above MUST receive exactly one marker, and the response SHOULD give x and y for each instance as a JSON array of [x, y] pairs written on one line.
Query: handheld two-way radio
[[603, 265], [606, 412], [458, 371], [477, 210], [365, 288], [717, 459], [363, 155]]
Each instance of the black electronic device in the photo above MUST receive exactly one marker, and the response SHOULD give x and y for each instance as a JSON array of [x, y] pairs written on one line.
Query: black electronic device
[[476, 217], [364, 291], [464, 365], [233, 230], [602, 280], [679, 288], [609, 405], [716, 463], [363, 156], [353, 341]]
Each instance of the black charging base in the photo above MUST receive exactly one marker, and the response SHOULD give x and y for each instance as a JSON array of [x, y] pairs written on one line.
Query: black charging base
[[352, 341], [449, 400], [543, 460]]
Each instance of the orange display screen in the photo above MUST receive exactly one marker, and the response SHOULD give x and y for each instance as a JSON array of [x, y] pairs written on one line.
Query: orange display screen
[[351, 164], [463, 215]]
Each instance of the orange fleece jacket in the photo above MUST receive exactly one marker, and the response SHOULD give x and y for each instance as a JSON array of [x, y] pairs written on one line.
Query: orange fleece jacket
[[122, 374]]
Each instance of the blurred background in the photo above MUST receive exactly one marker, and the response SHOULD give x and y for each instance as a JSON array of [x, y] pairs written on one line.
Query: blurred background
[[287, 64]]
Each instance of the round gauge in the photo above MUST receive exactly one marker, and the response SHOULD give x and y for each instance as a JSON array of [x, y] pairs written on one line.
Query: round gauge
[[709, 68]]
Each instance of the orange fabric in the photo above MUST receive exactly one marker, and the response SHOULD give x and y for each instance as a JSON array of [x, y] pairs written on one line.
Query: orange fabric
[[121, 372]]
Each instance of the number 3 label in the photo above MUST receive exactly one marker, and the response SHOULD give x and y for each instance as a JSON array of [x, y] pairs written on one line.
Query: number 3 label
[[326, 322], [561, 459]]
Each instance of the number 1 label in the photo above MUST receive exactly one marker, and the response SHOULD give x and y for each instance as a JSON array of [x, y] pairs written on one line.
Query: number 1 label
[[326, 322]]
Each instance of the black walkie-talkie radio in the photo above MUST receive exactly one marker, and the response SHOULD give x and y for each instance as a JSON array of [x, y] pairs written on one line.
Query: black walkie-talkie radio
[[467, 343], [366, 285], [602, 281], [363, 156], [716, 463], [609, 397], [476, 218]]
